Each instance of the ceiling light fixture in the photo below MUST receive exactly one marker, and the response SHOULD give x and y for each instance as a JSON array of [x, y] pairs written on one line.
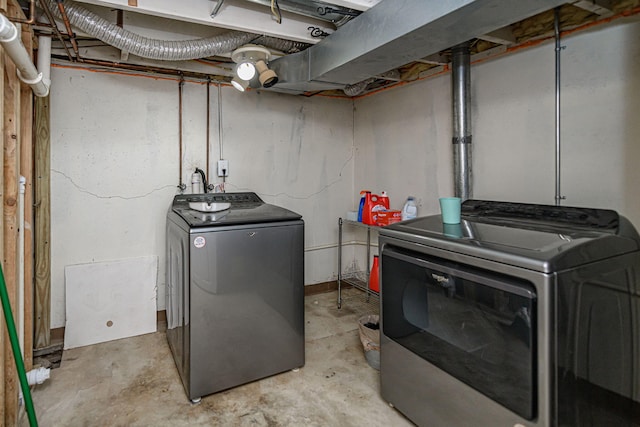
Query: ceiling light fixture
[[250, 58]]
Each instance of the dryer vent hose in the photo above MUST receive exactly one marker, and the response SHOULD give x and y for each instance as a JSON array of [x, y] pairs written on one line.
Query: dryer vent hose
[[167, 50]]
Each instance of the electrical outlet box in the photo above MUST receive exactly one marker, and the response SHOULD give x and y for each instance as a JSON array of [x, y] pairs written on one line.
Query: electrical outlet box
[[223, 167]]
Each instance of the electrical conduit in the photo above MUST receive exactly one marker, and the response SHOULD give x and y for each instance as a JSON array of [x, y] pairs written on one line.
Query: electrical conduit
[[27, 72], [23, 182], [556, 26]]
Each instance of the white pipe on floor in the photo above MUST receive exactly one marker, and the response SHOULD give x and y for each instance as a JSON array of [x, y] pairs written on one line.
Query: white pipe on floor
[[35, 376], [22, 187], [27, 72], [38, 376]]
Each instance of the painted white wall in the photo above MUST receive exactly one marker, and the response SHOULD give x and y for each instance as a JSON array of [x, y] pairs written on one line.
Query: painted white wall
[[403, 143], [514, 122], [114, 148], [114, 161], [113, 170], [403, 136], [294, 152]]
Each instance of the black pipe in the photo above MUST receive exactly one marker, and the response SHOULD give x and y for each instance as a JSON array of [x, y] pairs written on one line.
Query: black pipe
[[204, 178]]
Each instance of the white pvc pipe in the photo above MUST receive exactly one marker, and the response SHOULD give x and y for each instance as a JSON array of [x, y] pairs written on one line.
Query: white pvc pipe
[[27, 72], [23, 182], [35, 376], [38, 376], [44, 59]]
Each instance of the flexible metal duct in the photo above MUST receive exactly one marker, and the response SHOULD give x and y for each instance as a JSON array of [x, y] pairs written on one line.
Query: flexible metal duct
[[282, 45], [357, 88], [165, 50]]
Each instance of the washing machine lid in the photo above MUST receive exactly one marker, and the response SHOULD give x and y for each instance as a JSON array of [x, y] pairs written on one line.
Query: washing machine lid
[[206, 210]]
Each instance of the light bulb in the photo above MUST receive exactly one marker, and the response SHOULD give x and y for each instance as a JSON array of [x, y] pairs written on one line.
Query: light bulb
[[239, 84], [246, 70]]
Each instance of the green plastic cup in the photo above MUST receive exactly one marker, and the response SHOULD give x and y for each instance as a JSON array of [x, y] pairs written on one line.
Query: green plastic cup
[[450, 208]]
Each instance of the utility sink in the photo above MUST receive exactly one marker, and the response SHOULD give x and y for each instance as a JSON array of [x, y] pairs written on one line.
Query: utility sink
[[209, 207]]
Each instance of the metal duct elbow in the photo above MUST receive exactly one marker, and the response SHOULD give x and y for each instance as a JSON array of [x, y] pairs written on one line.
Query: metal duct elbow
[[26, 70], [164, 50]]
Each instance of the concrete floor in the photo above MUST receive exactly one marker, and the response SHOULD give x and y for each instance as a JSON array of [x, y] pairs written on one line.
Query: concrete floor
[[134, 382]]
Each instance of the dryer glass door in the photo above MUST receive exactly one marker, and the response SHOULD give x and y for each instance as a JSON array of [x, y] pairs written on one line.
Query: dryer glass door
[[476, 325]]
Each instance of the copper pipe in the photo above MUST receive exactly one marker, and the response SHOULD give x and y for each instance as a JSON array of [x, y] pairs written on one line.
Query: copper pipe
[[220, 123], [208, 127], [32, 15], [182, 186], [52, 21], [148, 69], [70, 33]]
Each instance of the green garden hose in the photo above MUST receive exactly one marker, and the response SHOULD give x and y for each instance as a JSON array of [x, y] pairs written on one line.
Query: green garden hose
[[17, 356]]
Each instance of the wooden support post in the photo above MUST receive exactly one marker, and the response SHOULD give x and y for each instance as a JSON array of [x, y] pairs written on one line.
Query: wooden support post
[[26, 170], [3, 326], [16, 113], [42, 297], [11, 164]]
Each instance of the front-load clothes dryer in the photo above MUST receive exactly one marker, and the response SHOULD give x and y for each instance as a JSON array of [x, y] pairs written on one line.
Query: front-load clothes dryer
[[235, 290]]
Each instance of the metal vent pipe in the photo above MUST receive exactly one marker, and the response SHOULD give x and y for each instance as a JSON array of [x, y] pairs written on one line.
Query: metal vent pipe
[[460, 99]]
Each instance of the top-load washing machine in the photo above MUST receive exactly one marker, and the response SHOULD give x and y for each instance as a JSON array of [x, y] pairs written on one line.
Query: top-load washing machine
[[235, 290]]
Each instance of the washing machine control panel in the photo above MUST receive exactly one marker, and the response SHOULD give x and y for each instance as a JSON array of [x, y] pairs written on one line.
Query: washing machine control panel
[[237, 200]]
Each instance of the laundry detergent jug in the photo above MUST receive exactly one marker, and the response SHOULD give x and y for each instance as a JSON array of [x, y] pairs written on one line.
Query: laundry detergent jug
[[372, 204], [363, 197], [410, 209]]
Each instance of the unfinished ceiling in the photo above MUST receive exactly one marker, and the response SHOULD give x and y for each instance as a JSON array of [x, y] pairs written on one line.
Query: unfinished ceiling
[[341, 47]]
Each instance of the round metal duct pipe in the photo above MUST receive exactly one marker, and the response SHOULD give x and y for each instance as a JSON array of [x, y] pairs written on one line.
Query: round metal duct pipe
[[460, 98]]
